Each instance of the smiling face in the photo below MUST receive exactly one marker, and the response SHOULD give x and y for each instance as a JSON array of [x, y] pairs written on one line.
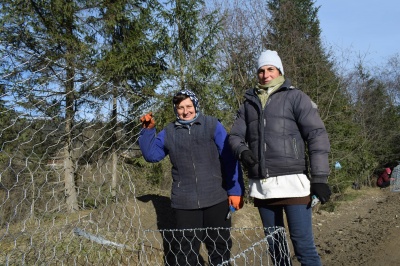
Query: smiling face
[[185, 109], [267, 73]]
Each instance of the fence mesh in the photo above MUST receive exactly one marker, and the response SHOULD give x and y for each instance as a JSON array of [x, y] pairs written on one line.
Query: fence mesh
[[64, 244], [72, 181]]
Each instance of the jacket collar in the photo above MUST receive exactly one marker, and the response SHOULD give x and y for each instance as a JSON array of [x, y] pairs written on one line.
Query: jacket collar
[[251, 95], [199, 120]]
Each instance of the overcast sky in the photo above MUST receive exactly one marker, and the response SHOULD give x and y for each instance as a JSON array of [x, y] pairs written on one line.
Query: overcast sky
[[364, 27]]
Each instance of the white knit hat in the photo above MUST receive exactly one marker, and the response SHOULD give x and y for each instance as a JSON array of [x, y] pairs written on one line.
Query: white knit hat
[[270, 58]]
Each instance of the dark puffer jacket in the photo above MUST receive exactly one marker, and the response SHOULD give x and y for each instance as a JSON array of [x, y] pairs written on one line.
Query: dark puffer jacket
[[277, 134]]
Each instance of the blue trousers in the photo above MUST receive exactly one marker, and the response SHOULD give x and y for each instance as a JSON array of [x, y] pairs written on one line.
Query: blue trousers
[[299, 220]]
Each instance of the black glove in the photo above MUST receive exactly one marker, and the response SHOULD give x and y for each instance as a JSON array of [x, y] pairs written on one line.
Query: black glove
[[248, 159], [322, 191]]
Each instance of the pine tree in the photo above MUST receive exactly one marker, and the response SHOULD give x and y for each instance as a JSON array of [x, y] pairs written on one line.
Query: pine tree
[[294, 32], [132, 61], [47, 41], [193, 53]]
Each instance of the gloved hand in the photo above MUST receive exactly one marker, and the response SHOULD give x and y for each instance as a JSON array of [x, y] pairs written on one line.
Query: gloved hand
[[247, 158], [236, 201], [148, 121], [322, 191]]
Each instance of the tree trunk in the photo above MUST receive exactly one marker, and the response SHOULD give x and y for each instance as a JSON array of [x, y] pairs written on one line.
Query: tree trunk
[[114, 143], [69, 174], [70, 190]]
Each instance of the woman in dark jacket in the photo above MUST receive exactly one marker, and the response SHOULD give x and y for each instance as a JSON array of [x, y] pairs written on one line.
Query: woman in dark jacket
[[270, 134], [206, 178]]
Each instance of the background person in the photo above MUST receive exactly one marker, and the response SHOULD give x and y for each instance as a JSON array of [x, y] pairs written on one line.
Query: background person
[[383, 180], [204, 173], [268, 136]]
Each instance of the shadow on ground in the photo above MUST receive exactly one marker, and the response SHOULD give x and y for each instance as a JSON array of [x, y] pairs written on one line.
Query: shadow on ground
[[165, 223]]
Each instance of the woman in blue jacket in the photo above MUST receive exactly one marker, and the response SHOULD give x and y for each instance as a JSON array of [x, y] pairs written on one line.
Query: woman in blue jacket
[[270, 134], [206, 177]]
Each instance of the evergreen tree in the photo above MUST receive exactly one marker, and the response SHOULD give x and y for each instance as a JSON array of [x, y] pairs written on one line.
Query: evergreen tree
[[239, 48], [376, 113], [134, 47], [48, 42], [294, 32], [193, 51], [132, 62], [7, 131]]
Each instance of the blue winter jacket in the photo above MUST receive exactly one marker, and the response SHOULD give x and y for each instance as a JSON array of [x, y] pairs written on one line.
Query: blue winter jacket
[[204, 170]]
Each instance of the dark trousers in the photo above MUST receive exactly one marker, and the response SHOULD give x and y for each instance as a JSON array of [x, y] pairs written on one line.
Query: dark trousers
[[217, 241], [384, 184]]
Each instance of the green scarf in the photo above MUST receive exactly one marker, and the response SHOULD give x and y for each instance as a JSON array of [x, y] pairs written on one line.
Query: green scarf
[[264, 91]]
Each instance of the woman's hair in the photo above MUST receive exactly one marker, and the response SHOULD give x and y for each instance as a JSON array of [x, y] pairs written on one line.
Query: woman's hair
[[179, 98]]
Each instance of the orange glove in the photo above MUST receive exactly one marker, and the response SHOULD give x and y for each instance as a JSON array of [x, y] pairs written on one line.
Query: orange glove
[[236, 202], [148, 121]]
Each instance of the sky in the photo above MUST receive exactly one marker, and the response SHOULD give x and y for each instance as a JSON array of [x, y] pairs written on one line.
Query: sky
[[366, 28]]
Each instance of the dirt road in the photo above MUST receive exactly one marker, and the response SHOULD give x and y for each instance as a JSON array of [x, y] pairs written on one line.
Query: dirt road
[[362, 231], [365, 231]]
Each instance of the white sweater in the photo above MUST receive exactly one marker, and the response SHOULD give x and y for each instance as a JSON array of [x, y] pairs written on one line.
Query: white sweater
[[286, 186]]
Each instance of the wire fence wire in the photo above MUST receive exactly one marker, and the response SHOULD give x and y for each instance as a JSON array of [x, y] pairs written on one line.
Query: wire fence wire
[[73, 182], [64, 245]]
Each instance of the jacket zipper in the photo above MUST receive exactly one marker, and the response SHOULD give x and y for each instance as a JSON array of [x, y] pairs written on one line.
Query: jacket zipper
[[195, 176], [295, 149], [265, 144], [263, 151]]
